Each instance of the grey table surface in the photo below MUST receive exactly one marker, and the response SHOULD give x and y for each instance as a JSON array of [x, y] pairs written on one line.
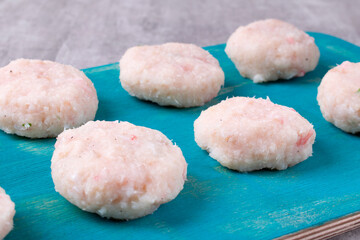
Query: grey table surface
[[94, 32]]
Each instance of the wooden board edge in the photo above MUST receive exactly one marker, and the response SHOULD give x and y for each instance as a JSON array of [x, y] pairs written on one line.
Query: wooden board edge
[[326, 230]]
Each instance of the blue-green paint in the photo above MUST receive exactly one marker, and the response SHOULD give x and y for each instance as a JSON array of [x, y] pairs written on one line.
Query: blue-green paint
[[216, 203]]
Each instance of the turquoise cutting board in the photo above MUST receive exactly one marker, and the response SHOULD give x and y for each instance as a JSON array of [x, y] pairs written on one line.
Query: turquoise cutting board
[[216, 203]]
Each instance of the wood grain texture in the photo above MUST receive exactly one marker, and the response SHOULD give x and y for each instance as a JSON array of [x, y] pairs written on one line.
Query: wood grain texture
[[327, 230], [221, 203]]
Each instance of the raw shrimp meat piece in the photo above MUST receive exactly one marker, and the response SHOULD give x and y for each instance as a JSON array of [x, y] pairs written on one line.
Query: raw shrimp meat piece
[[172, 74], [247, 134], [39, 99], [271, 49], [7, 212], [339, 96], [116, 169]]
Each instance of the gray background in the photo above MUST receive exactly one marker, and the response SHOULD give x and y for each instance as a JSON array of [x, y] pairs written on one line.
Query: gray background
[[92, 33]]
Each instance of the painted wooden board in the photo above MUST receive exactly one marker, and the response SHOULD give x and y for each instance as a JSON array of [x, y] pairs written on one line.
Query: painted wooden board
[[217, 202]]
